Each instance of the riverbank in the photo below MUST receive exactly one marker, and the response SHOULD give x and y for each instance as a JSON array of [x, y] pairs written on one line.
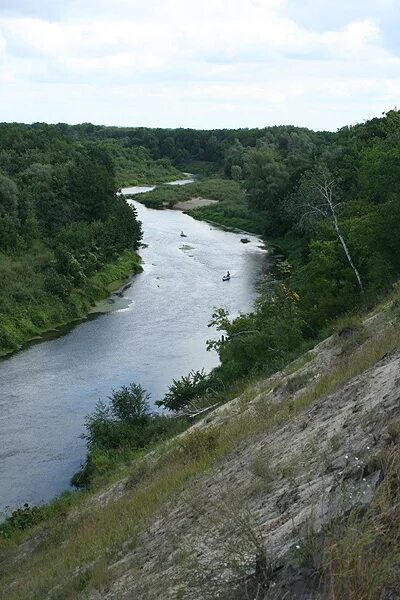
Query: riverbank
[[196, 202], [46, 312]]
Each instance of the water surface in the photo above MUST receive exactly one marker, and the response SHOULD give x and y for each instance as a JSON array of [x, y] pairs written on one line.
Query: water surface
[[157, 333]]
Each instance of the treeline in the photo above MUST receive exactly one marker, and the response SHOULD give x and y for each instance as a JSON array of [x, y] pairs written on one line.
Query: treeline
[[61, 222], [282, 170], [208, 150], [330, 202]]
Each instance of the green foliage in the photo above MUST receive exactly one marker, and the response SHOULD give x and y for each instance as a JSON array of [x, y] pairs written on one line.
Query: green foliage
[[198, 443], [267, 181], [231, 209], [61, 222], [120, 422], [21, 519], [8, 196], [262, 340], [35, 297], [119, 428], [135, 166], [183, 391]]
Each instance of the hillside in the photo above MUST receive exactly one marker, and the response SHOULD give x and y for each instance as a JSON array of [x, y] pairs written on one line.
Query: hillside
[[291, 490]]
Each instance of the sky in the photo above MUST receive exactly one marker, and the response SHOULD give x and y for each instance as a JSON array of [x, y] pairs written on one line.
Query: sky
[[205, 64]]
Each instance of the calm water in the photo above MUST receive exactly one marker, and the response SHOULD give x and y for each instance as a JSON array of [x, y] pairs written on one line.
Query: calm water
[[156, 333], [141, 189]]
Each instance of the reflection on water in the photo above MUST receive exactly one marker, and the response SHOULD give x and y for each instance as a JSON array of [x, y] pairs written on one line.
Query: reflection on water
[[156, 334]]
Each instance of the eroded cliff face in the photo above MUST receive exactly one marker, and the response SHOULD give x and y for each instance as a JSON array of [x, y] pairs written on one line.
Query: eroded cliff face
[[242, 529], [293, 489]]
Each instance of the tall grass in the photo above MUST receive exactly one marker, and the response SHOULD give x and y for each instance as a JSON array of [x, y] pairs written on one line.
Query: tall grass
[[356, 556]]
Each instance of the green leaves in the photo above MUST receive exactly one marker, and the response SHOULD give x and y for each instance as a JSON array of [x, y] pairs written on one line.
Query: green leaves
[[184, 390], [262, 339]]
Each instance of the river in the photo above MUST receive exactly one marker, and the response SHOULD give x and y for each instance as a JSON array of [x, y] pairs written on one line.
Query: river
[[156, 332]]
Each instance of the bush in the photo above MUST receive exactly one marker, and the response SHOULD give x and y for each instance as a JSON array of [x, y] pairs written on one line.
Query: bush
[[184, 390], [120, 422], [21, 519], [119, 428]]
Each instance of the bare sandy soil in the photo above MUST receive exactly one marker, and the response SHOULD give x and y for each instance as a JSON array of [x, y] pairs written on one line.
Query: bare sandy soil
[[196, 202]]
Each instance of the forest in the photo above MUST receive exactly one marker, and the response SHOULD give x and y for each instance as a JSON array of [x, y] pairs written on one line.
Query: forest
[[328, 202]]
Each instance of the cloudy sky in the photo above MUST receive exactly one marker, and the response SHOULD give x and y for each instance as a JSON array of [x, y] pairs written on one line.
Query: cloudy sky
[[204, 63]]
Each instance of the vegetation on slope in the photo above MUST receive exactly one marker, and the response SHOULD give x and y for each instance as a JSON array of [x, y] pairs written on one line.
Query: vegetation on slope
[[135, 166], [65, 235], [29, 308], [95, 533]]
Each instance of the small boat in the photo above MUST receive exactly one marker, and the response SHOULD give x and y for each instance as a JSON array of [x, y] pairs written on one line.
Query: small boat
[[183, 234], [226, 278]]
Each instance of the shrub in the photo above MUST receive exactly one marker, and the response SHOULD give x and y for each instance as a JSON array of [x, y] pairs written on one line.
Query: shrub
[[119, 428], [121, 421], [184, 390], [21, 519]]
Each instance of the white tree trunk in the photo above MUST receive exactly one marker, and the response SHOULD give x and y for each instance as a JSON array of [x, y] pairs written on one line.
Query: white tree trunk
[[327, 193]]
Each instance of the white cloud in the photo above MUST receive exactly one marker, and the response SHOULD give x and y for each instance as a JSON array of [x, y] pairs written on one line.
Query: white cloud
[[203, 64]]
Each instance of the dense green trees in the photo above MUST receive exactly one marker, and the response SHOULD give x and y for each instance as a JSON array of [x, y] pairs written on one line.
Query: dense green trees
[[57, 201], [330, 202], [59, 211]]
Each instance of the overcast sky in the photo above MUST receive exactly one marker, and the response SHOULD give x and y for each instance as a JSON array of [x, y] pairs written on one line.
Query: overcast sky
[[204, 64]]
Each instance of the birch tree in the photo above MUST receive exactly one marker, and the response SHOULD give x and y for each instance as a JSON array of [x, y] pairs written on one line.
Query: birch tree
[[317, 198]]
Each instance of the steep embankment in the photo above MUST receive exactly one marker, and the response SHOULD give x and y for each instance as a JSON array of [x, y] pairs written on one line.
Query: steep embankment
[[289, 491]]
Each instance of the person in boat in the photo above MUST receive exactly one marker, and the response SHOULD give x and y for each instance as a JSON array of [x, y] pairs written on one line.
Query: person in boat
[[227, 274]]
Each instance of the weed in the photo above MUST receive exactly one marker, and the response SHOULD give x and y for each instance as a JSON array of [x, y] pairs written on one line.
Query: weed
[[336, 442], [356, 556], [394, 432], [138, 473], [297, 382], [21, 519], [261, 468], [198, 443]]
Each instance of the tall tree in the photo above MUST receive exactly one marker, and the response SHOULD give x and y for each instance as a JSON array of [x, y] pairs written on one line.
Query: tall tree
[[318, 197], [266, 184]]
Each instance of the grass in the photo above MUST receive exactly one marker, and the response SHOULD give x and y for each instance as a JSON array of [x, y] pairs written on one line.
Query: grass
[[262, 468], [135, 166], [97, 535]]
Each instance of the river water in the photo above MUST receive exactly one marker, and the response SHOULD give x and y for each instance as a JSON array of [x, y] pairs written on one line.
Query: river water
[[156, 332]]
